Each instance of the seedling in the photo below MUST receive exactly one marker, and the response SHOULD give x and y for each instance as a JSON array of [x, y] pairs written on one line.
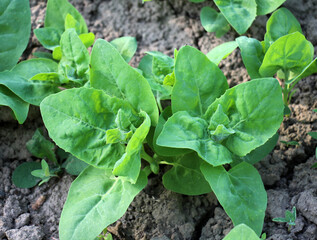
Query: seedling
[[290, 143], [45, 174], [314, 136], [290, 218]]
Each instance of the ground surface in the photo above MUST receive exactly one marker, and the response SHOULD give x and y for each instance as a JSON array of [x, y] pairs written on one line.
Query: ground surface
[[156, 213]]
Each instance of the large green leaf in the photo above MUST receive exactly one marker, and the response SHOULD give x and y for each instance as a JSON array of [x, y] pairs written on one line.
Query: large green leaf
[[222, 51], [214, 21], [111, 73], [129, 165], [185, 176], [19, 107], [254, 110], [290, 53], [252, 55], [241, 232], [126, 46], [198, 82], [95, 200], [281, 23], [56, 13], [15, 28], [266, 6], [80, 127], [241, 193], [184, 131], [49, 37], [31, 91], [239, 13]]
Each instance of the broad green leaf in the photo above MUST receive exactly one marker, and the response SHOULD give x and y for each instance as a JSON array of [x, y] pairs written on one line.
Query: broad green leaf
[[290, 53], [129, 165], [184, 131], [88, 39], [198, 82], [95, 200], [74, 166], [15, 28], [221, 52], [281, 23], [126, 46], [241, 193], [111, 73], [30, 91], [239, 13], [241, 232], [19, 107], [22, 177], [267, 6], [56, 13], [29, 68], [252, 55], [213, 21], [80, 127], [165, 151], [40, 147], [185, 176], [246, 105], [49, 37]]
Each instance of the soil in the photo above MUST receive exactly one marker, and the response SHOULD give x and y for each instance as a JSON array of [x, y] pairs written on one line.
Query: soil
[[157, 213]]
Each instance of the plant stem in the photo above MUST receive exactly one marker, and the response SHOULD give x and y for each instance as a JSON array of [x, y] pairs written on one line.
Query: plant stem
[[286, 89]]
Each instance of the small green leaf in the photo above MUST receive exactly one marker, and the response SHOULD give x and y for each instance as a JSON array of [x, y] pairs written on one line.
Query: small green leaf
[[241, 193], [71, 22], [313, 134], [241, 232], [290, 143], [45, 55], [49, 37], [126, 46], [22, 177], [214, 21], [266, 6], [221, 52], [88, 39], [74, 166]]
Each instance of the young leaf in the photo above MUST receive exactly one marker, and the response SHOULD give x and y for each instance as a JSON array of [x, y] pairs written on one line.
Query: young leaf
[[88, 39], [214, 21], [111, 73], [252, 55], [74, 166], [19, 107], [266, 6], [56, 13], [185, 176], [221, 52], [289, 53], [126, 46], [49, 37], [15, 22], [71, 22], [86, 122], [241, 232], [198, 82], [240, 14], [241, 193], [95, 200], [22, 177]]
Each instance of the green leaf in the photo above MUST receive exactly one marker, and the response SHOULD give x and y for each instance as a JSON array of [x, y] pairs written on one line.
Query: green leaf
[[19, 107], [221, 52], [56, 13], [241, 193], [15, 22], [162, 65], [266, 6], [95, 200], [241, 232], [246, 105], [74, 166], [198, 82], [129, 165], [40, 147], [71, 22], [184, 131], [86, 120], [32, 92], [40, 54], [290, 143], [252, 55], [288, 53], [213, 21], [310, 69], [313, 134], [185, 176], [111, 73], [22, 177], [88, 39], [126, 46], [49, 37], [281, 23], [240, 13]]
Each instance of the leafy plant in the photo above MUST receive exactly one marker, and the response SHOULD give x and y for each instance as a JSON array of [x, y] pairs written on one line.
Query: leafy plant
[[290, 218], [114, 123]]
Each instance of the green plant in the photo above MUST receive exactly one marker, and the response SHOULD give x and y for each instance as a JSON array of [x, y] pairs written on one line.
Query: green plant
[[290, 218], [241, 232], [115, 123], [314, 136]]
